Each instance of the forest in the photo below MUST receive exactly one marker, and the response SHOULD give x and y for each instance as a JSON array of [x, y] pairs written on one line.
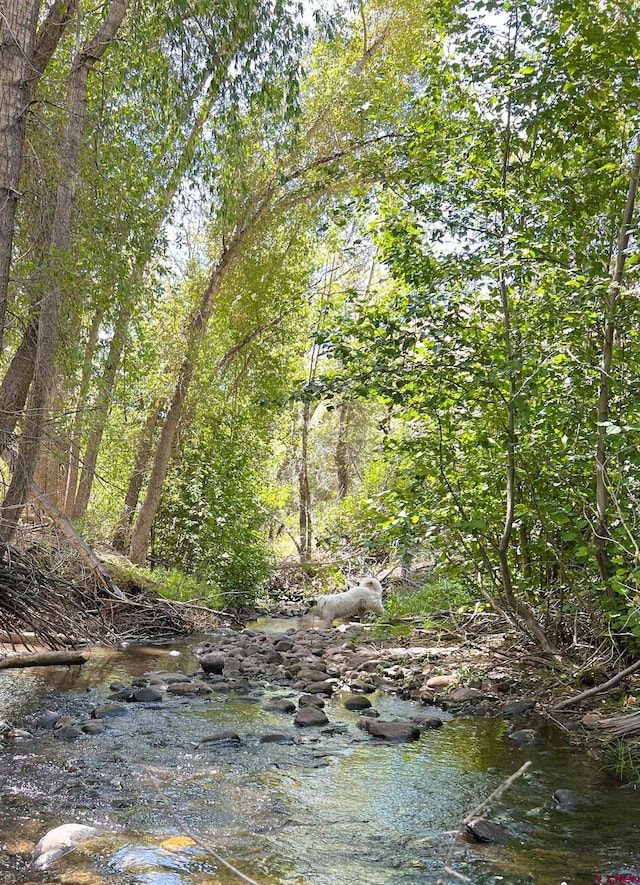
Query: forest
[[347, 289]]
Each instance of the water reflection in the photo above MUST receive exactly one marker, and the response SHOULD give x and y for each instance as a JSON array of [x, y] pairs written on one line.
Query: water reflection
[[333, 808]]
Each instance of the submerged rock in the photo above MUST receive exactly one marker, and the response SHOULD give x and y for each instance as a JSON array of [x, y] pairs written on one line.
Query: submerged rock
[[58, 842], [567, 799], [226, 734], [280, 705], [483, 830]]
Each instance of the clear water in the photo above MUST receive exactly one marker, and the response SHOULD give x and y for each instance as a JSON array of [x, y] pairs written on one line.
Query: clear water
[[332, 807]]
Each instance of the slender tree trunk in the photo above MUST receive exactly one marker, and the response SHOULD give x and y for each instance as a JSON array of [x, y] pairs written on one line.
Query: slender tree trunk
[[121, 331], [79, 417], [23, 59], [29, 445], [304, 491], [601, 535], [141, 533], [101, 410], [17, 39], [342, 465], [519, 608], [15, 385], [122, 534]]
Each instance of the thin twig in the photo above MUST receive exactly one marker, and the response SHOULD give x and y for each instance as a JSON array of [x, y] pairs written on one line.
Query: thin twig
[[205, 847]]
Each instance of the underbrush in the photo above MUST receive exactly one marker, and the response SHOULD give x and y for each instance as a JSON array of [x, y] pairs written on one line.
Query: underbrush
[[436, 596]]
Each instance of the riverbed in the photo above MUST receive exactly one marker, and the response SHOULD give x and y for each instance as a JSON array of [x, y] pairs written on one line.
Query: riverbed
[[322, 806]]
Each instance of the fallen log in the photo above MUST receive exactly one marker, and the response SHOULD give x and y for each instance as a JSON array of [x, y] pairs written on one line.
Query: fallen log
[[42, 659]]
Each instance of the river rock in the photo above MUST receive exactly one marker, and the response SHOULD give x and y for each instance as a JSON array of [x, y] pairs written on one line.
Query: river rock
[[188, 688], [426, 722], [147, 695], [226, 734], [390, 731], [47, 719], [441, 681], [483, 830], [310, 700], [519, 708], [567, 799], [124, 694], [280, 705], [58, 842], [356, 702], [104, 711], [275, 738], [464, 695], [325, 688], [524, 736], [310, 716], [212, 663], [93, 726]]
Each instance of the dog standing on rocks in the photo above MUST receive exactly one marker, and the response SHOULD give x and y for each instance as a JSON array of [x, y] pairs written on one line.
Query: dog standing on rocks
[[356, 601]]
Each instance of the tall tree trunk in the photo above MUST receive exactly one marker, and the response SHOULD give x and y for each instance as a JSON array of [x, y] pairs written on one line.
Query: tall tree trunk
[[23, 59], [17, 39], [121, 330], [342, 464], [519, 609], [601, 534], [29, 445], [79, 417], [122, 534], [304, 490], [101, 410], [141, 533]]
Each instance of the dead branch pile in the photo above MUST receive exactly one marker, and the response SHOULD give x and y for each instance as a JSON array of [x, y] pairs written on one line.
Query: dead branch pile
[[62, 613]]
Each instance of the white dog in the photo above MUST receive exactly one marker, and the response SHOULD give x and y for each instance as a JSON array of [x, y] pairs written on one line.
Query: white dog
[[366, 597]]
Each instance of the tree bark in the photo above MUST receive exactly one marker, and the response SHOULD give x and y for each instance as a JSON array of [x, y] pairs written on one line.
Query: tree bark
[[78, 419], [31, 437], [17, 39], [601, 534], [342, 465], [42, 659], [141, 533], [24, 57], [304, 490], [122, 534]]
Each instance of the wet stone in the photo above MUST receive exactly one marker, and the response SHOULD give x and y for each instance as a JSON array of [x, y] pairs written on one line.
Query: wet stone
[[310, 716], [390, 731], [567, 799], [212, 663], [356, 702], [188, 688], [68, 732], [47, 719], [483, 830], [280, 705], [125, 694], [104, 711], [519, 708], [325, 688], [226, 734], [147, 695], [524, 736], [93, 726], [310, 700], [275, 739]]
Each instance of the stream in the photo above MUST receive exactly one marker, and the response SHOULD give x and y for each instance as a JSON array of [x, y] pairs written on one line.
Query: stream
[[328, 806]]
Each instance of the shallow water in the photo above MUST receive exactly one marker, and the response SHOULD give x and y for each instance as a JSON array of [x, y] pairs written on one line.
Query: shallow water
[[333, 807]]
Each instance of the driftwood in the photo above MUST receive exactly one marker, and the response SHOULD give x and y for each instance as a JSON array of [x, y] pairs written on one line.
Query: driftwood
[[622, 726], [570, 702], [42, 659]]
